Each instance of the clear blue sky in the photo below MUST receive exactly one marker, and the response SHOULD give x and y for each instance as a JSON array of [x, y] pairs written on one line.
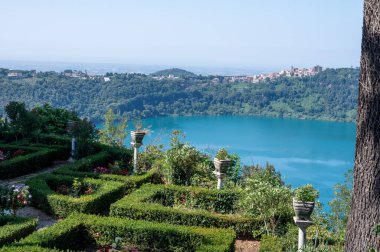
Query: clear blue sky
[[210, 33]]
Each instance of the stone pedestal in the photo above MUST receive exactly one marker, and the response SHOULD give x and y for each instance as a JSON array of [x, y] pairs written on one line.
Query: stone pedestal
[[219, 176], [73, 149], [302, 226], [136, 147]]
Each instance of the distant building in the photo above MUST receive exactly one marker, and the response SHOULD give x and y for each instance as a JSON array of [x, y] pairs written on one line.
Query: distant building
[[317, 69], [107, 79], [14, 74]]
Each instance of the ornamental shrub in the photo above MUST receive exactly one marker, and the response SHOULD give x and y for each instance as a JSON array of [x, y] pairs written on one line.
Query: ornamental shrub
[[306, 193], [80, 231], [202, 207], [45, 198], [13, 228]]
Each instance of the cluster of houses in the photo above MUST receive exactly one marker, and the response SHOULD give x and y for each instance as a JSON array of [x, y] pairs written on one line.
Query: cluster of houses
[[292, 72]]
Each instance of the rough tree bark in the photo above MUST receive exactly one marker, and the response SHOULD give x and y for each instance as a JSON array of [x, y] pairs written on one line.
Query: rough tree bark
[[365, 206]]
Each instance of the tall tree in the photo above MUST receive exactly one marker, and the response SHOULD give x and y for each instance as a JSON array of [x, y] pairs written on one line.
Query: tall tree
[[365, 206]]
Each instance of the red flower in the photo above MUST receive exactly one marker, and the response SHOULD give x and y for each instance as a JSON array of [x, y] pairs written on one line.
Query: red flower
[[18, 153]]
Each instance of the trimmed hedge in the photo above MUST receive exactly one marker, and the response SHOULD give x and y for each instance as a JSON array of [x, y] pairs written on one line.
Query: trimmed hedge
[[80, 231], [84, 167], [147, 203], [14, 228], [38, 159], [60, 205]]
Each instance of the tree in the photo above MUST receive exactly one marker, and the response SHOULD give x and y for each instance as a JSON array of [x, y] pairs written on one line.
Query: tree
[[365, 206], [21, 121], [114, 131]]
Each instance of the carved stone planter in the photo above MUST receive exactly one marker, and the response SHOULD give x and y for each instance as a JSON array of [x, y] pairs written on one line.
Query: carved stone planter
[[137, 136], [303, 209], [222, 166]]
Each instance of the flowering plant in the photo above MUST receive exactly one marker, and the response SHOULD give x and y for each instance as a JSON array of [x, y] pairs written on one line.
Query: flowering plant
[[18, 153], [14, 197], [2, 156], [101, 169]]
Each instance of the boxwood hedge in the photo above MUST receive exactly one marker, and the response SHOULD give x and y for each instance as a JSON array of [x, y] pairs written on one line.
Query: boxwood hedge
[[46, 199], [36, 159], [154, 203], [81, 232], [14, 228], [84, 168]]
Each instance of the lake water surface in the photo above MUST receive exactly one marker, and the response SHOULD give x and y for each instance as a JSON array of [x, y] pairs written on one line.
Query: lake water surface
[[304, 151]]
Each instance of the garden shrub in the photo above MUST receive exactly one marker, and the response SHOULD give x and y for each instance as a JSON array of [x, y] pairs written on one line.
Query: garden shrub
[[154, 203], [45, 198], [271, 243], [36, 159], [14, 228], [81, 232]]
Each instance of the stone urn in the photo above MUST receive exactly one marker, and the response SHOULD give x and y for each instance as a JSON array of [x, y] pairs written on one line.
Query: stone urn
[[222, 165], [137, 136], [303, 209]]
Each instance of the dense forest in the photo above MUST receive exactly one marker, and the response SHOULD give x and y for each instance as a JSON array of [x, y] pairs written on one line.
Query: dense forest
[[329, 95]]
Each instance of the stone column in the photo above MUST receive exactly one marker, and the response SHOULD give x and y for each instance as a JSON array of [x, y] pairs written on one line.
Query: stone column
[[136, 147], [302, 226], [73, 149], [219, 176]]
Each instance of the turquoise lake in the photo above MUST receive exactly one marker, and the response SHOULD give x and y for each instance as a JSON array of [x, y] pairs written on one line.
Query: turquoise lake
[[304, 151]]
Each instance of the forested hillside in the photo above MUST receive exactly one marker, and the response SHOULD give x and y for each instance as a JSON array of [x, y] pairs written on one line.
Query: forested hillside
[[330, 95]]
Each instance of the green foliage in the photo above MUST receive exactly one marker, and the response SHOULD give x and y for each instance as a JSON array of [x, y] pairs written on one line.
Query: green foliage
[[79, 230], [36, 160], [182, 162], [340, 206], [266, 196], [222, 154], [85, 133], [271, 243], [45, 198], [14, 228], [54, 120], [147, 158], [192, 206], [306, 193], [114, 130], [21, 121], [329, 95]]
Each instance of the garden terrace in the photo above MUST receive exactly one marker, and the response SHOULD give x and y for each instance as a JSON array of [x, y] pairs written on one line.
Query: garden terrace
[[14, 228], [48, 197], [33, 159], [191, 206], [85, 168], [83, 232]]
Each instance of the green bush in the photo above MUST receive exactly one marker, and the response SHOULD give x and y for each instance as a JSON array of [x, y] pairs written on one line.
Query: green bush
[[270, 243], [84, 168], [37, 159], [266, 196], [80, 231], [46, 199], [14, 228], [306, 193], [203, 212]]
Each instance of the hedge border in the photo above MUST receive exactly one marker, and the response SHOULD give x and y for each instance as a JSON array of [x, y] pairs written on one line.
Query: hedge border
[[15, 228], [59, 205], [136, 206], [21, 165], [67, 234], [76, 170]]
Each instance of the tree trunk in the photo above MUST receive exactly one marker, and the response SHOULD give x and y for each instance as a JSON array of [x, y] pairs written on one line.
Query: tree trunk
[[365, 206]]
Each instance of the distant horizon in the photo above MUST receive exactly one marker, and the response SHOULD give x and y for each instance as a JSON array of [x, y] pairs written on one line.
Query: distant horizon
[[243, 34], [102, 68]]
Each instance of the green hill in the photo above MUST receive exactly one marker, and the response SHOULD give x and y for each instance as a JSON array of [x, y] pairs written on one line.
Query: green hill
[[175, 72]]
